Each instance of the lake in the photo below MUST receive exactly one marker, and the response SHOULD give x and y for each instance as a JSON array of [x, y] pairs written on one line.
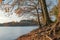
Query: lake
[[11, 33]]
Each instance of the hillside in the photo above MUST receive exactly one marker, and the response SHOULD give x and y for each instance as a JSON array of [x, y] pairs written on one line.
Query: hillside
[[21, 23]]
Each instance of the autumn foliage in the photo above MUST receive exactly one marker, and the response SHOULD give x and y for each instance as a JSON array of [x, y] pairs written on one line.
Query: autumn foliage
[[0, 1]]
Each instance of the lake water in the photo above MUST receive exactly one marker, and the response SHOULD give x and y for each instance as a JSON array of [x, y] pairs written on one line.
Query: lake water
[[11, 33]]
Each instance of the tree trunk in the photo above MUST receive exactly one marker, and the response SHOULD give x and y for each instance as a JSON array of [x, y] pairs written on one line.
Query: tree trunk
[[58, 10], [45, 11], [38, 18]]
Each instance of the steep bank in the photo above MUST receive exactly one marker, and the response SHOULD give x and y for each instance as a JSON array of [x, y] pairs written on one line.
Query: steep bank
[[43, 34]]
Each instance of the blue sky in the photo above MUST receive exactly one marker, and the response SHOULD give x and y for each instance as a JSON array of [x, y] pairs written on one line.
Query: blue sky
[[54, 1]]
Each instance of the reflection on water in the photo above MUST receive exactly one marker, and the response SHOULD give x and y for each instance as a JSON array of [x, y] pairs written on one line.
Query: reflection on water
[[11, 33]]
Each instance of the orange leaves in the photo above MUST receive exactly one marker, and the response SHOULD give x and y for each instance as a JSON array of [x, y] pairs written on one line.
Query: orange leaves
[[58, 14], [0, 1], [18, 11]]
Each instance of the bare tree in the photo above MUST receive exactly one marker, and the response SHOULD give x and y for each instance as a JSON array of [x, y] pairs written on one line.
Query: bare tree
[[35, 7], [43, 5], [45, 11]]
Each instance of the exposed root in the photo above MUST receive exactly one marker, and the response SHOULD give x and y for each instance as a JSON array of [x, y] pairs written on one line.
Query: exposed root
[[46, 33]]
